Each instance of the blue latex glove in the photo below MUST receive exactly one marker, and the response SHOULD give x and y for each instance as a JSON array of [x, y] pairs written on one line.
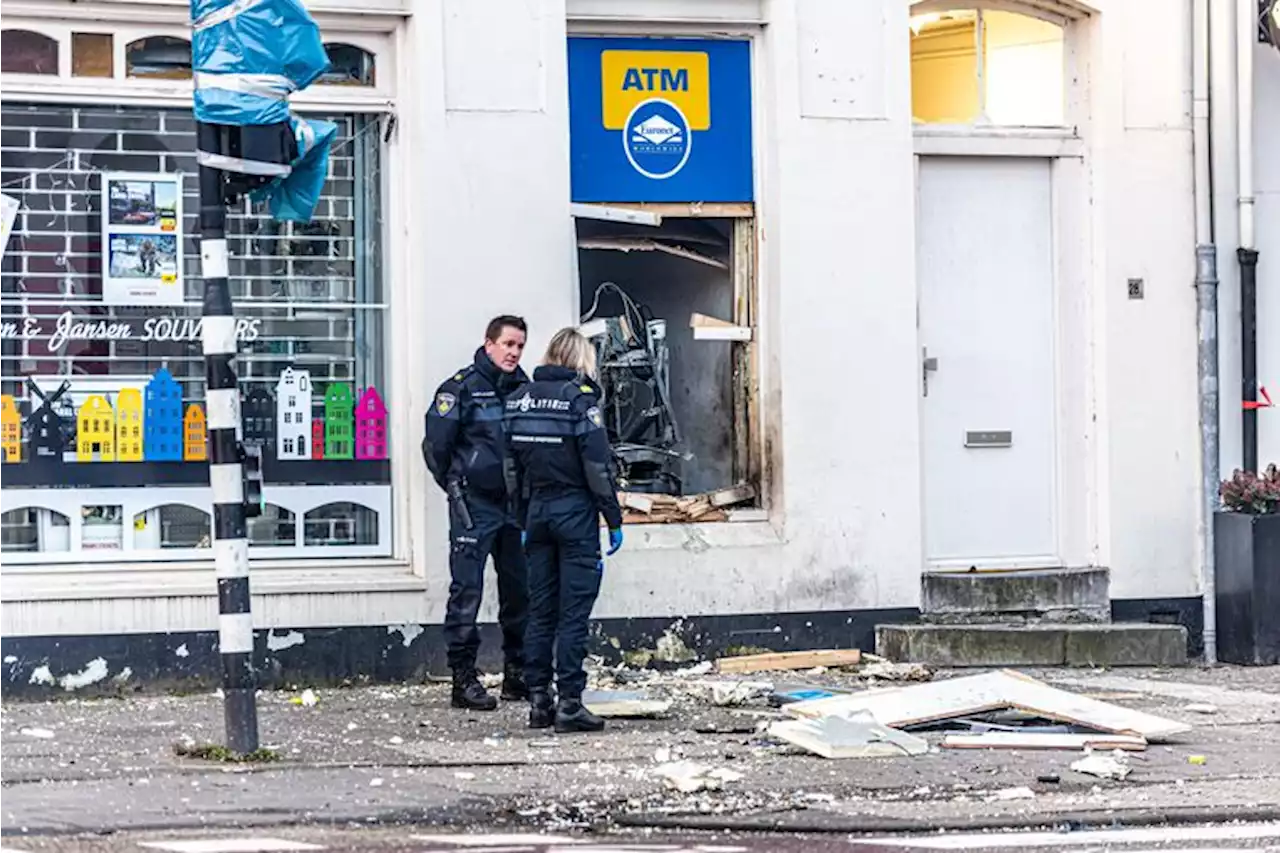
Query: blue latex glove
[[615, 541], [524, 538]]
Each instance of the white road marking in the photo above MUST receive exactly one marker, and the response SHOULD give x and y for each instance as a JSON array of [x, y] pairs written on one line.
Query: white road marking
[[496, 840], [1108, 837], [231, 845]]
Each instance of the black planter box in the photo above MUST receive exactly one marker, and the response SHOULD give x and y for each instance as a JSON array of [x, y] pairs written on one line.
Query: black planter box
[[1247, 559]]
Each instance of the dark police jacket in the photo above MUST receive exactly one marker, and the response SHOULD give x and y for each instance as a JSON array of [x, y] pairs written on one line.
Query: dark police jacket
[[556, 442], [463, 438]]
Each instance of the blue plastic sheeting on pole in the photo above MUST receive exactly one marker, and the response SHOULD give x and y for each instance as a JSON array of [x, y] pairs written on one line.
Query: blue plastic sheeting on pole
[[293, 198], [248, 56]]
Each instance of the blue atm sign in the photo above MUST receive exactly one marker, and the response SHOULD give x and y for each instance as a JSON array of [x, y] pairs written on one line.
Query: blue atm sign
[[660, 120]]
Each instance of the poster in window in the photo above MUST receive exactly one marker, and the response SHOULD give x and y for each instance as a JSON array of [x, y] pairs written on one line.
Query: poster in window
[[142, 239]]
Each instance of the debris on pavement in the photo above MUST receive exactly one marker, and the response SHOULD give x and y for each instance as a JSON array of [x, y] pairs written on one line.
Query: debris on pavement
[[36, 733], [889, 671], [1197, 760], [624, 704], [306, 699], [688, 777], [1114, 765], [1038, 740], [1202, 708], [1007, 794], [854, 736], [802, 693], [775, 661], [995, 691]]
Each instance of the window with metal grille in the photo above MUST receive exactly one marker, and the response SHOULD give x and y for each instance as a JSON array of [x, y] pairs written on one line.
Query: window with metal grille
[[308, 296]]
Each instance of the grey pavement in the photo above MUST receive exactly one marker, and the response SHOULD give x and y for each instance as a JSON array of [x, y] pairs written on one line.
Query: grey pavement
[[399, 757]]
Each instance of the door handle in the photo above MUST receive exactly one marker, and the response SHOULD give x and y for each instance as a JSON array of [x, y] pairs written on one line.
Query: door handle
[[928, 363]]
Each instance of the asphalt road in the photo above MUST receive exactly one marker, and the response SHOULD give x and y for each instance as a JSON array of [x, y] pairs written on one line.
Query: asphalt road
[[1216, 838]]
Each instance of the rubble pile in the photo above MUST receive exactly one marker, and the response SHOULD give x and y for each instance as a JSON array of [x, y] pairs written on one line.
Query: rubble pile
[[644, 508]]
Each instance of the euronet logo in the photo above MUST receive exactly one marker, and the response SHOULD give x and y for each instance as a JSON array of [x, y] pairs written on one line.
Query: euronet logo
[[658, 100]]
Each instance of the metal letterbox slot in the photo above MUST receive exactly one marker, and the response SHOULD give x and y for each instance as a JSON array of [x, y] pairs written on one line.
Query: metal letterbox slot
[[989, 438]]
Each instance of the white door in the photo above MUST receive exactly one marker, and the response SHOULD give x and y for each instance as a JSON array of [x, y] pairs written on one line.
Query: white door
[[985, 266]]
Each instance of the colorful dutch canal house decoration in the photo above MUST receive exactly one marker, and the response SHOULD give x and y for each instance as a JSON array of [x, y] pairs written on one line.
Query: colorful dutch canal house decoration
[[162, 419], [259, 413], [195, 431], [371, 426], [338, 422], [46, 425], [10, 429], [293, 414], [96, 431], [317, 438], [129, 425]]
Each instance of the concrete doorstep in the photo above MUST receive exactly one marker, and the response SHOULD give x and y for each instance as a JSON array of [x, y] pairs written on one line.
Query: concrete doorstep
[[1046, 644]]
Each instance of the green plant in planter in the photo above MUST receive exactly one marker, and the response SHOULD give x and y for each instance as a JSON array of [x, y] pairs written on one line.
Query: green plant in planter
[[1252, 494]]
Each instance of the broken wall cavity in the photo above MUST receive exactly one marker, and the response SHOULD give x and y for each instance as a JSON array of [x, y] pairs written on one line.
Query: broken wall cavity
[[701, 375]]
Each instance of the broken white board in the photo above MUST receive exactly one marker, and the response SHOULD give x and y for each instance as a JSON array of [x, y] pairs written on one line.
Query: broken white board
[[619, 704], [856, 736], [993, 691], [1040, 740]]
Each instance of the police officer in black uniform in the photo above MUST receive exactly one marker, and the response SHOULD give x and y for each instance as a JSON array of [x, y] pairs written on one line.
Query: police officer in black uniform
[[464, 450], [559, 472]]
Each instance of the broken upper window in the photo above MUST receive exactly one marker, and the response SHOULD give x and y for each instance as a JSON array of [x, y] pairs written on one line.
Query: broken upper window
[[27, 52], [987, 67], [348, 66], [158, 57]]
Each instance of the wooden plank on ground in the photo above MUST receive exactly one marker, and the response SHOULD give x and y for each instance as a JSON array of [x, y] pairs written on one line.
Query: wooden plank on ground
[[993, 691], [789, 660], [643, 503], [1034, 740]]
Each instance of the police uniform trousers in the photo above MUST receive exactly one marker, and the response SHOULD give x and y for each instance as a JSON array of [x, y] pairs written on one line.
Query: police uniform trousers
[[563, 552], [494, 531]]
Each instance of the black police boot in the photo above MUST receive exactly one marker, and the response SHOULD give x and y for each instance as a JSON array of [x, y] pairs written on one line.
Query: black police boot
[[513, 686], [572, 717], [469, 694], [542, 708]]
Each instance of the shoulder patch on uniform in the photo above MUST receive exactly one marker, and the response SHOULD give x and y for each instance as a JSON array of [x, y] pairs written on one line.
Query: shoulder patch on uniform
[[457, 377], [445, 402], [586, 389], [593, 415]]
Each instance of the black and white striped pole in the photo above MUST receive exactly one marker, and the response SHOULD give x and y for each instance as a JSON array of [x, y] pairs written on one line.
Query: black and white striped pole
[[226, 472]]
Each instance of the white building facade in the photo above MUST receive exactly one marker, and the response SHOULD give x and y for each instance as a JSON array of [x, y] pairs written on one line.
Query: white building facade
[[954, 242]]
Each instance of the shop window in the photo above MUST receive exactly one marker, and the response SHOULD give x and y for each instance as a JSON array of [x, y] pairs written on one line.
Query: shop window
[[158, 57], [171, 526], [92, 55], [88, 299], [348, 66], [34, 529], [672, 407], [276, 527], [25, 52], [341, 523], [987, 67]]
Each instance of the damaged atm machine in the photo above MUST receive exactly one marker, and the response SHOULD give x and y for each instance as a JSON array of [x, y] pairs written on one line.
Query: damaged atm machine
[[662, 188]]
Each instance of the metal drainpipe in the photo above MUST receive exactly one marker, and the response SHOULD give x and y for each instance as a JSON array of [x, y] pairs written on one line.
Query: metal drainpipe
[[1247, 254]]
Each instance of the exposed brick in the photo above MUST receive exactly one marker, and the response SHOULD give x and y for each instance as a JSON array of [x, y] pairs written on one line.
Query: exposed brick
[[122, 162], [19, 115], [66, 140], [15, 138], [119, 120], [33, 160], [148, 142]]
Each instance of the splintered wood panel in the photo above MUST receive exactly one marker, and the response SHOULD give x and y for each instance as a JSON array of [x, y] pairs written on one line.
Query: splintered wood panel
[[976, 694], [1034, 740], [924, 703]]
